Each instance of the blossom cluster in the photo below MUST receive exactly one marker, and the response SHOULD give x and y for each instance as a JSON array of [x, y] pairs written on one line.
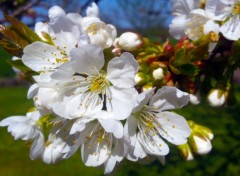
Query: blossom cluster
[[86, 98], [196, 18]]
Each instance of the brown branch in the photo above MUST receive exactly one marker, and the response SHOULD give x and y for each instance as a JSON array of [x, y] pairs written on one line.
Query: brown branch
[[22, 9]]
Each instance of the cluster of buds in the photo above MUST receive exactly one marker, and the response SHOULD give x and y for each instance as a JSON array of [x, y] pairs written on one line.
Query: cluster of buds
[[199, 142]]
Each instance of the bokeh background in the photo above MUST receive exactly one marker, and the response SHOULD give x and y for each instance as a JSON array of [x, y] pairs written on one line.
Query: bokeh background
[[151, 19]]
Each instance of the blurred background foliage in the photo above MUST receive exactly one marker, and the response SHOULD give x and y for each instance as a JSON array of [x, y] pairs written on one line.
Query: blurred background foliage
[[150, 19]]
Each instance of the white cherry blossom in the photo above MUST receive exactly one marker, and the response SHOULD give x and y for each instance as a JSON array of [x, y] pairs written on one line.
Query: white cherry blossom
[[115, 87], [150, 123], [101, 147], [27, 128], [231, 11], [181, 10]]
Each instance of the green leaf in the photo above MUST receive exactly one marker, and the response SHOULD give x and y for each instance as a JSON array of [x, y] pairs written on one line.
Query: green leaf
[[27, 73], [180, 64], [22, 30], [15, 37], [19, 65], [189, 69]]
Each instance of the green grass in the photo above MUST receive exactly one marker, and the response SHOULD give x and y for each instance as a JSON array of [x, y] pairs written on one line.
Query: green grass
[[223, 159], [5, 68]]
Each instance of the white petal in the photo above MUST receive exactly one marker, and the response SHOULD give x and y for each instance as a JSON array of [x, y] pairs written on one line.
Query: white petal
[[130, 130], [120, 102], [168, 98], [182, 7], [32, 91], [40, 56], [211, 26], [37, 147], [84, 105], [122, 70], [231, 29], [79, 125], [112, 126], [109, 165], [13, 119], [44, 79], [94, 154], [52, 152], [87, 59], [75, 18], [65, 71], [65, 41], [43, 27], [153, 144], [203, 145], [173, 127], [177, 27], [143, 99], [92, 10], [59, 21], [216, 10], [48, 96], [139, 152]]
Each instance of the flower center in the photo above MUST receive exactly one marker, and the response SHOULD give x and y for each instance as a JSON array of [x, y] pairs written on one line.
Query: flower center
[[97, 139], [213, 37], [94, 28], [99, 84], [147, 120], [236, 9], [202, 4]]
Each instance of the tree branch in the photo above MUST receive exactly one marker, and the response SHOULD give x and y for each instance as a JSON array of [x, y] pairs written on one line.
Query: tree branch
[[22, 10]]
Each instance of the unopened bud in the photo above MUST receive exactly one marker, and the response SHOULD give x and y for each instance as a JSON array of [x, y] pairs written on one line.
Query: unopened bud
[[129, 41], [186, 152], [158, 74], [203, 131], [141, 78], [196, 128], [147, 87], [216, 97], [200, 144]]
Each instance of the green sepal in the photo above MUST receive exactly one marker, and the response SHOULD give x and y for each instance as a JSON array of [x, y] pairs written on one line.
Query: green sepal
[[48, 38]]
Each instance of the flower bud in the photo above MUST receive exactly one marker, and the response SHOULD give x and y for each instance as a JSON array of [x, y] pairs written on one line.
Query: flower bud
[[195, 99], [200, 144], [147, 87], [216, 97], [203, 131], [158, 74], [129, 41], [186, 152], [141, 78]]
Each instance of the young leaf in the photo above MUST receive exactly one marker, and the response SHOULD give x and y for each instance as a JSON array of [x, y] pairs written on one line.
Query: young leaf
[[22, 30], [15, 37]]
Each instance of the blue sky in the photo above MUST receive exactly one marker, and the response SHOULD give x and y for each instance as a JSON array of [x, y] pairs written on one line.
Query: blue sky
[[110, 10]]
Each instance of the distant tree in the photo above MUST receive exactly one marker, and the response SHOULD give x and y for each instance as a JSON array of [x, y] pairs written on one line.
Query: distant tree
[[36, 10], [141, 14]]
